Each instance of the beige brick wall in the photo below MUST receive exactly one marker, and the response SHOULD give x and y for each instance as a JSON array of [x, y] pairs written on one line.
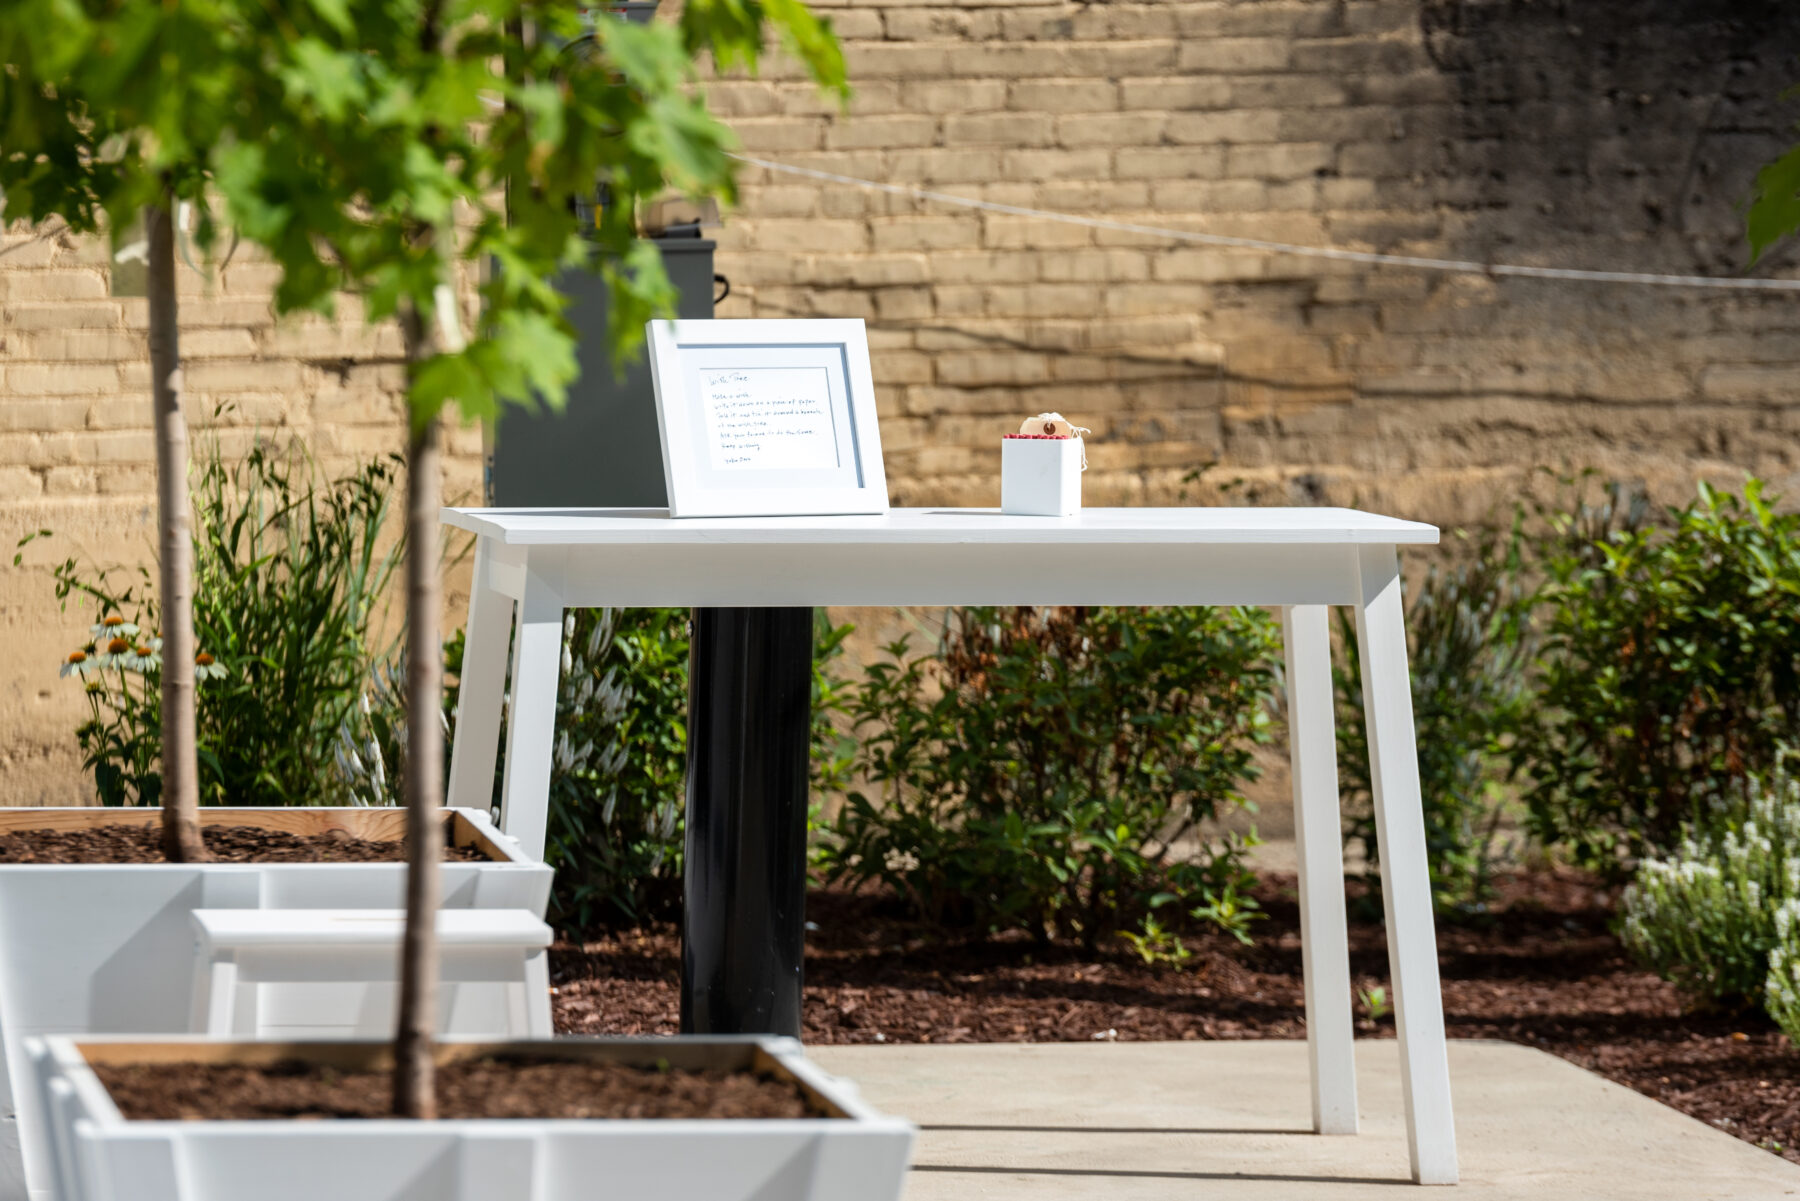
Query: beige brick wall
[[1464, 128], [76, 456], [1447, 128]]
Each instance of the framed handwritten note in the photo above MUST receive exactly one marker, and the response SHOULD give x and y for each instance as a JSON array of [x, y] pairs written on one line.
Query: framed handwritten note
[[767, 418]]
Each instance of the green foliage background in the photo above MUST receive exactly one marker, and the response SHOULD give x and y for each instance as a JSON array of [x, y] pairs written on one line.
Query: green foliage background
[[376, 146], [291, 571], [1471, 647], [1048, 769], [1669, 671]]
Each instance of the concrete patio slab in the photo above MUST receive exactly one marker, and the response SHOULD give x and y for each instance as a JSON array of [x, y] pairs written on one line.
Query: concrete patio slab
[[1230, 1121]]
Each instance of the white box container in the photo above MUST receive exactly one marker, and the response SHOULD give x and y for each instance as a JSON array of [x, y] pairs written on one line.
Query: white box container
[[1040, 476], [857, 1155], [108, 948]]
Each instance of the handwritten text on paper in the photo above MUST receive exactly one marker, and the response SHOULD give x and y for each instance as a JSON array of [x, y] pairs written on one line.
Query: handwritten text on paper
[[769, 418]]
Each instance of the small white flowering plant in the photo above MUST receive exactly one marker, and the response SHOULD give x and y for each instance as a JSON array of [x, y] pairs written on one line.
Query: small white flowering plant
[[1781, 991], [1720, 912]]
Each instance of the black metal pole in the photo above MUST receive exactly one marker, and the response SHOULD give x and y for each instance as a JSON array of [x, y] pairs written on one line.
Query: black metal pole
[[749, 733]]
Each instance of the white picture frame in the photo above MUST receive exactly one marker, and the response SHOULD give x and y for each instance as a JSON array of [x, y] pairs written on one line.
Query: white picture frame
[[767, 418]]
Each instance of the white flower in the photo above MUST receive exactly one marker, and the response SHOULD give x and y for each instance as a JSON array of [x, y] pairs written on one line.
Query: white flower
[[612, 760], [140, 656], [79, 664], [901, 861], [601, 634], [112, 627], [111, 651]]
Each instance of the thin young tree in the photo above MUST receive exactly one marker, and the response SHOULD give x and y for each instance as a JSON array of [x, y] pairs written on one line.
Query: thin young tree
[[175, 545], [95, 131], [392, 149]]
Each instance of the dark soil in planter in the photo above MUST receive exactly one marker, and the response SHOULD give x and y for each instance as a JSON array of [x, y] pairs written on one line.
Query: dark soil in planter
[[1543, 969], [497, 1087], [228, 844]]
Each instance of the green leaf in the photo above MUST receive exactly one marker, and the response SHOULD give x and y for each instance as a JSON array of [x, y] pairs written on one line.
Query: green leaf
[[445, 378], [810, 39], [317, 73], [335, 13], [1775, 203]]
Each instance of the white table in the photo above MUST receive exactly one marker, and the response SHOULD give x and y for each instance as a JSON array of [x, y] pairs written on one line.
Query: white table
[[532, 563]]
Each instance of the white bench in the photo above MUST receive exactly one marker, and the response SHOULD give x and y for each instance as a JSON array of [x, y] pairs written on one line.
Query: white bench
[[334, 973]]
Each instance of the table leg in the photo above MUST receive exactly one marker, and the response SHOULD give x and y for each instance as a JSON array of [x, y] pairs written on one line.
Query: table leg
[[481, 692], [744, 886], [531, 725], [1405, 880], [1324, 942]]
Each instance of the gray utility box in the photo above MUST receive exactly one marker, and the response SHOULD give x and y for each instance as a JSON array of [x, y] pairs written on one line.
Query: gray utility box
[[603, 448]]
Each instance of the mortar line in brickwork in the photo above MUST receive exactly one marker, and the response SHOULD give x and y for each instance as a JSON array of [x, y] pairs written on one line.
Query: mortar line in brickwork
[[1454, 266]]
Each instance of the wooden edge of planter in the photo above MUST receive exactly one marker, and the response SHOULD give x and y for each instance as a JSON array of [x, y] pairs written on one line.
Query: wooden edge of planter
[[782, 1058], [466, 833], [379, 824]]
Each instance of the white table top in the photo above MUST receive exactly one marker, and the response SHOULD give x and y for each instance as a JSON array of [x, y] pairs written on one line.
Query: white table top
[[1185, 526]]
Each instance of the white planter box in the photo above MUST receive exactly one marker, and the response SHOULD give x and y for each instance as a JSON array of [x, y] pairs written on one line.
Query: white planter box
[[109, 948], [99, 1156], [1040, 477]]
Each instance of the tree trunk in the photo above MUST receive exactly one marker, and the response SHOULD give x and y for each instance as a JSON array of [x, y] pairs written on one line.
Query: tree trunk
[[180, 767], [415, 1087]]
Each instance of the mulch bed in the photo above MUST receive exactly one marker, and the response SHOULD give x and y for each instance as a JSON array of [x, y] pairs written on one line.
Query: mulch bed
[[497, 1087], [1543, 968], [227, 844]]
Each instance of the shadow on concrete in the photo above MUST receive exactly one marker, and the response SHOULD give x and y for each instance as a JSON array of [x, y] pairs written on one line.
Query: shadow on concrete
[[1127, 1173], [1115, 1129]]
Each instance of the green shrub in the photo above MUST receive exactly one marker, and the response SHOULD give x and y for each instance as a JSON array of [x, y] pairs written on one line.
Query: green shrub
[[1051, 769], [1471, 647], [1708, 916], [289, 574], [1671, 663], [618, 796]]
